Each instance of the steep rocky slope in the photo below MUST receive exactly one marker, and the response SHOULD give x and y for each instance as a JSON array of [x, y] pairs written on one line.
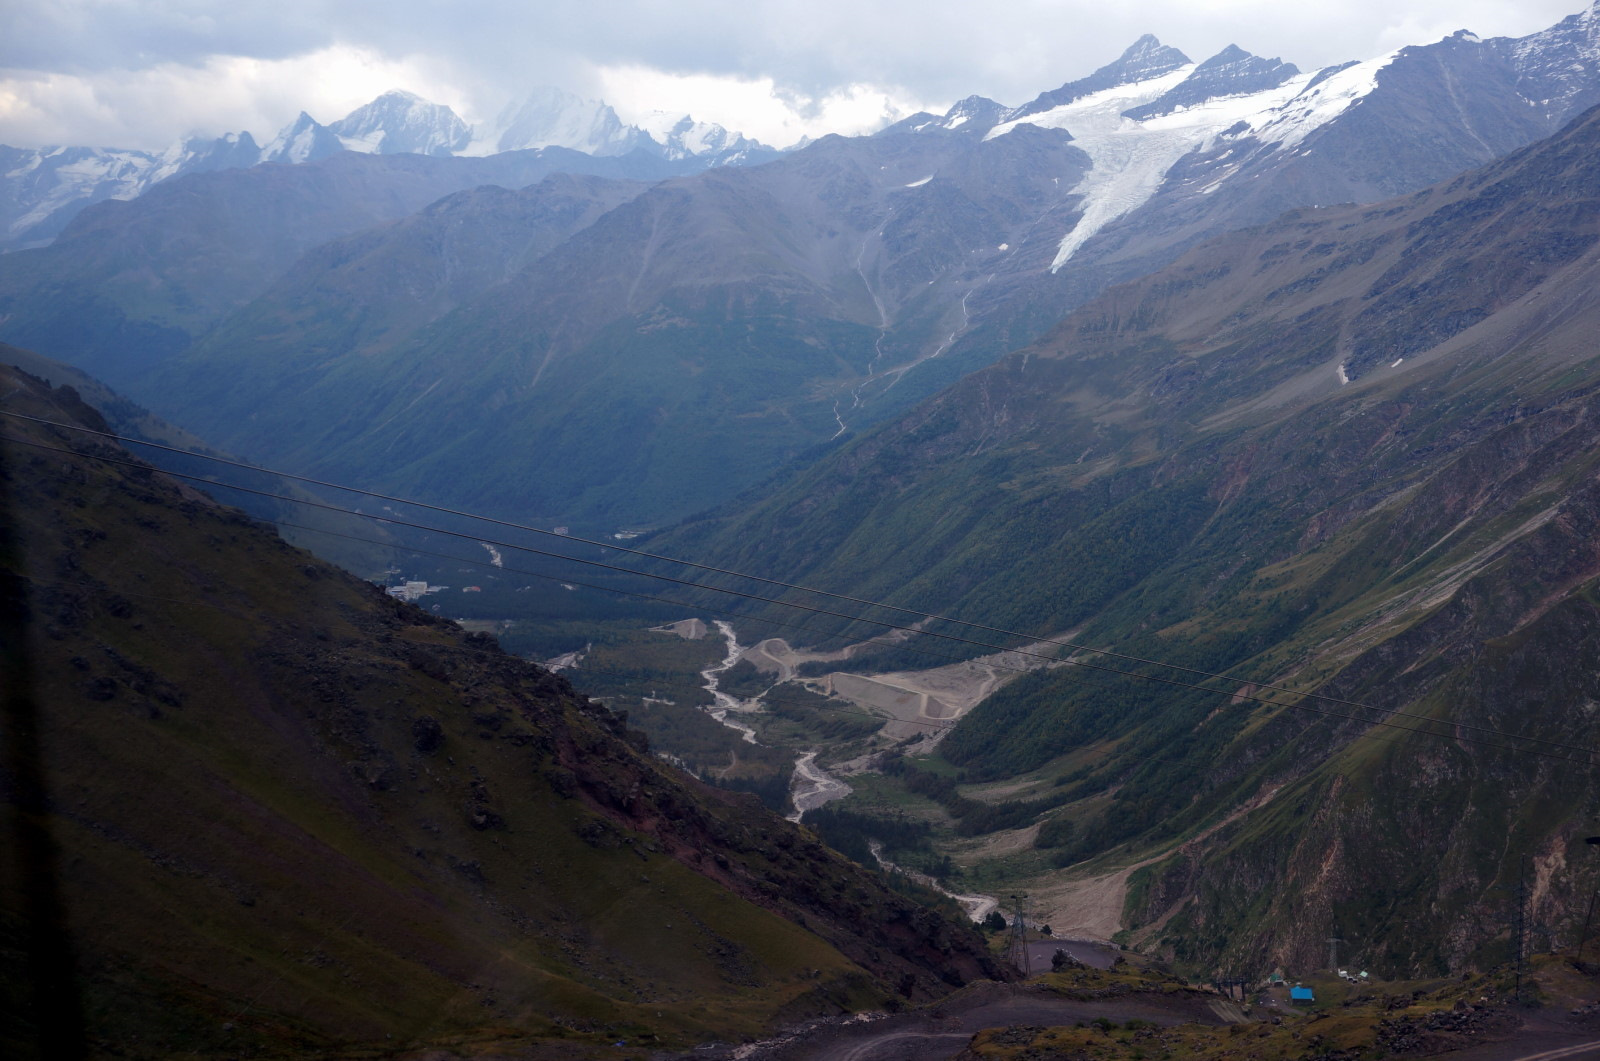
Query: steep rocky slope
[[285, 814], [354, 544], [1349, 452]]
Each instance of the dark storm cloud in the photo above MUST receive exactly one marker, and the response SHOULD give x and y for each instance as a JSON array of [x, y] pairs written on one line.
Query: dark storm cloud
[[810, 46], [91, 36], [929, 50]]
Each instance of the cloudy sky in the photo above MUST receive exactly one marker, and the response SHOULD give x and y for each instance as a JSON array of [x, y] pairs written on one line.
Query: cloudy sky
[[141, 73]]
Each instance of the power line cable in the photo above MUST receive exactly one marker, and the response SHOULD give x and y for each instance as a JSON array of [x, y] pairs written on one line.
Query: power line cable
[[801, 607], [877, 622], [743, 617], [1268, 686], [566, 580]]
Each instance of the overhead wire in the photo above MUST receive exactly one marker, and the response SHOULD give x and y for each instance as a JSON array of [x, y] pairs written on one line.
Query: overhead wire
[[1076, 663], [712, 569], [567, 580], [743, 617]]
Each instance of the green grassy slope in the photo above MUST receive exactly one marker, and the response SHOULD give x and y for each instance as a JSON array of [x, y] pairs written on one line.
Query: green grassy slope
[[295, 817]]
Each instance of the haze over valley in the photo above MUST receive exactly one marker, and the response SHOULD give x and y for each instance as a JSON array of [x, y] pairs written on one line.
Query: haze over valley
[[1042, 579]]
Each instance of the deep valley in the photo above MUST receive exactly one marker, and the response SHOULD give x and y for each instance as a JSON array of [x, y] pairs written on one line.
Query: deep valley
[[1111, 577]]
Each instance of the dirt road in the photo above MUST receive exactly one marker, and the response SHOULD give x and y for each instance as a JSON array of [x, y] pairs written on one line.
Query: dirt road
[[941, 1031]]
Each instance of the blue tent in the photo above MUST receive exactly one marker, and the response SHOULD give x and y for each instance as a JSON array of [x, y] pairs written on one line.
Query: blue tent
[[1300, 994]]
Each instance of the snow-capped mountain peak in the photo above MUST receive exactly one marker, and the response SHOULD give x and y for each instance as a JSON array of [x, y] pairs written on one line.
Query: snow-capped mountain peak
[[973, 116], [400, 122], [1136, 117], [303, 140], [1231, 72], [680, 136], [551, 117], [198, 154], [1142, 61], [1136, 131], [974, 112]]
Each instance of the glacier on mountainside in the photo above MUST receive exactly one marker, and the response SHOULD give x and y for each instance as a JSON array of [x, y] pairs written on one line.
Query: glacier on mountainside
[[1131, 158], [1552, 74]]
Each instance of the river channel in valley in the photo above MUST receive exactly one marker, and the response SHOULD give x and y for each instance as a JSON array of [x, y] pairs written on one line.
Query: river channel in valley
[[722, 703], [811, 786]]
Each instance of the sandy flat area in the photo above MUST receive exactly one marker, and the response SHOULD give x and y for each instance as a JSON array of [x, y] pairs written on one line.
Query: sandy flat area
[[688, 629], [913, 699]]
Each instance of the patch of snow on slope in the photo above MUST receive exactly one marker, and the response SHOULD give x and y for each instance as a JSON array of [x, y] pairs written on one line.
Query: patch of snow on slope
[[920, 183], [67, 174], [368, 144], [1291, 122], [172, 160], [1583, 29]]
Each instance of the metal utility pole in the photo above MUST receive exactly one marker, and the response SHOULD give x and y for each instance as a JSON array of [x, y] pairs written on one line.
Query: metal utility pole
[[1228, 984], [1521, 919], [1583, 937], [1019, 935]]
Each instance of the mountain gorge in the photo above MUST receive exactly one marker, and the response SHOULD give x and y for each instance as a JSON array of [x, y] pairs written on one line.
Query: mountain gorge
[[1200, 462], [358, 828], [1344, 459]]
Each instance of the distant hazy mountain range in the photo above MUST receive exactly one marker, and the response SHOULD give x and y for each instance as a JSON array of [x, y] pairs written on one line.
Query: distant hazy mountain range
[[42, 189], [628, 355]]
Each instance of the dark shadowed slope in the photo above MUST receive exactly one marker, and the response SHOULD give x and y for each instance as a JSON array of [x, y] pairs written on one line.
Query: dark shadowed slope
[[293, 816]]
